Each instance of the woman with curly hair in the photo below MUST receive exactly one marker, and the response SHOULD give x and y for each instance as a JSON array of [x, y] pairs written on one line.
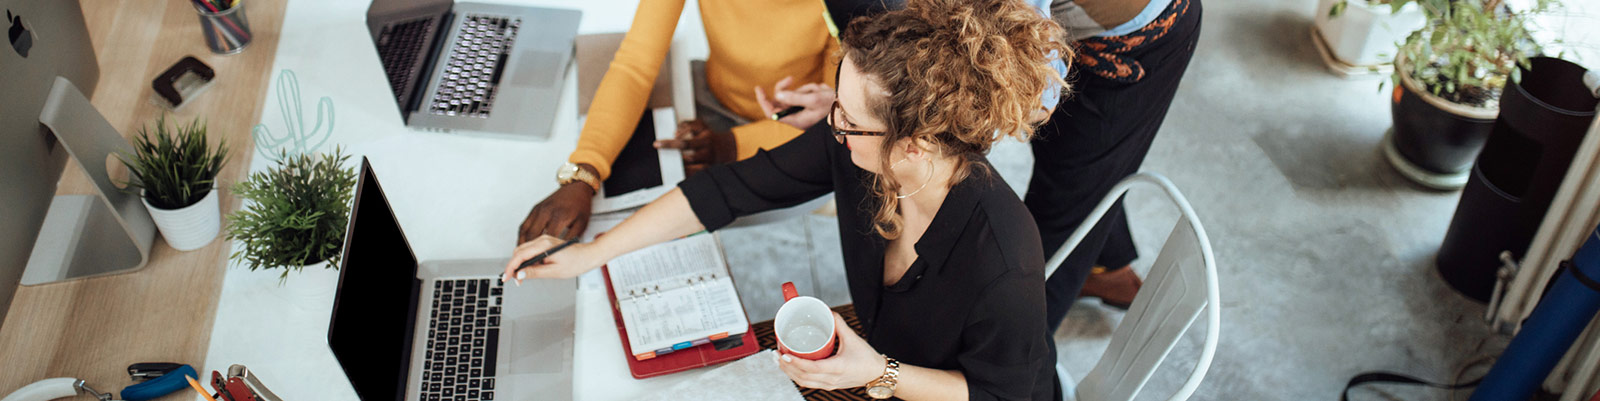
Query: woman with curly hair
[[943, 261]]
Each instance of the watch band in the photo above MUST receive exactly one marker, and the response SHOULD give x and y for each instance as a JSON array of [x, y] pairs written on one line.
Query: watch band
[[883, 387], [582, 175]]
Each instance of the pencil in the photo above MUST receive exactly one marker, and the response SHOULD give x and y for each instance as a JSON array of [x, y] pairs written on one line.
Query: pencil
[[197, 388]]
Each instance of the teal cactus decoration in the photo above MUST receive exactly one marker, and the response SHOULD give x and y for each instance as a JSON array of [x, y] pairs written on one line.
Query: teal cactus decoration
[[296, 139]]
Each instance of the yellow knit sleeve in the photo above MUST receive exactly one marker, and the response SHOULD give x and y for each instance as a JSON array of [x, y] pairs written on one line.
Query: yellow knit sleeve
[[625, 89], [763, 134]]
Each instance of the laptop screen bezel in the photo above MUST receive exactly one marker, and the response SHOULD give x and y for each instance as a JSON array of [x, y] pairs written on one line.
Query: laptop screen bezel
[[404, 373]]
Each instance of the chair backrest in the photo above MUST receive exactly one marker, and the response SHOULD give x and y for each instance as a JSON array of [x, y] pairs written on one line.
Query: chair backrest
[[1181, 283]]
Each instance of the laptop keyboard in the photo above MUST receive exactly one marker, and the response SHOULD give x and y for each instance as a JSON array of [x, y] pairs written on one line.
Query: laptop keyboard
[[463, 336], [477, 59], [399, 45]]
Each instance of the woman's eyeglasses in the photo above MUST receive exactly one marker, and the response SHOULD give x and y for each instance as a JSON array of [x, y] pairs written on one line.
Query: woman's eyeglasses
[[839, 134]]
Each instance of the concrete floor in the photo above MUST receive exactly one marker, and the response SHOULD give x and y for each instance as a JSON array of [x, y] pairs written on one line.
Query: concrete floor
[[1325, 253]]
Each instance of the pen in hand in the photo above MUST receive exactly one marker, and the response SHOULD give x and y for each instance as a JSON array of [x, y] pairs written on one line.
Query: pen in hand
[[536, 260], [787, 112]]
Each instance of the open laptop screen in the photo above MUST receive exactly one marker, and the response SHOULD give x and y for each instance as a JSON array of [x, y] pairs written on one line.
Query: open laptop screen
[[373, 310]]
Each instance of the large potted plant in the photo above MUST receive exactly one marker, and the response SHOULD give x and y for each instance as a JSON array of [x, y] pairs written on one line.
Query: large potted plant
[[174, 169], [296, 215], [1447, 82], [1360, 36]]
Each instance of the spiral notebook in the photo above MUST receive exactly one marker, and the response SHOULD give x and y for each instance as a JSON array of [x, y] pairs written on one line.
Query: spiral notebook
[[676, 295]]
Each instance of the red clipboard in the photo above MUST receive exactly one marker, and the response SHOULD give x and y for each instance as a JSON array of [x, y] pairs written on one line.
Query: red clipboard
[[686, 359]]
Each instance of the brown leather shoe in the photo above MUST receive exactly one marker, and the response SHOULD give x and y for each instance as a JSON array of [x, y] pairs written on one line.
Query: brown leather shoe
[[1115, 288]]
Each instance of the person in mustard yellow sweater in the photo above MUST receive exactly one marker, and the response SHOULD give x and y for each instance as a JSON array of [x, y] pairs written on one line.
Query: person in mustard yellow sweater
[[784, 45]]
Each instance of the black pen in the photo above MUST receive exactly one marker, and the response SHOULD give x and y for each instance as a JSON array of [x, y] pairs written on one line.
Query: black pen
[[787, 112], [537, 259]]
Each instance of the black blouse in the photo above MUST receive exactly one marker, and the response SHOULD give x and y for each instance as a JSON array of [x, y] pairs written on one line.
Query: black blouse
[[972, 301]]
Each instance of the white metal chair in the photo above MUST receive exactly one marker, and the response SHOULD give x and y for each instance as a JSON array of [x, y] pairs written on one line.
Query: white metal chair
[[1181, 283]]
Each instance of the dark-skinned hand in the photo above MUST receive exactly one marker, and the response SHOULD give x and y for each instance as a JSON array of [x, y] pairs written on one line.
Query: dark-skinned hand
[[563, 214], [700, 145]]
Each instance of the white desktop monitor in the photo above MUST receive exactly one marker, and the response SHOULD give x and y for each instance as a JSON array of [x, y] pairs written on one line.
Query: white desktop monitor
[[44, 40]]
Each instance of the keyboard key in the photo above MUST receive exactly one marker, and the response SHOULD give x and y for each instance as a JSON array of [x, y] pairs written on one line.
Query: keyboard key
[[461, 388], [474, 383], [449, 381], [449, 391], [475, 373], [494, 321], [489, 352], [488, 384], [472, 393], [486, 396]]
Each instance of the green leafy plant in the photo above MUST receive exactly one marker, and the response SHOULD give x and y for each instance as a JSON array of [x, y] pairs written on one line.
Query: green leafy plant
[[1339, 6], [1470, 48], [173, 166], [297, 215]]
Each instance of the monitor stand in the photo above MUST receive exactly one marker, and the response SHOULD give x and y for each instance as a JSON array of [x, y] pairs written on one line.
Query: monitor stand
[[105, 233]]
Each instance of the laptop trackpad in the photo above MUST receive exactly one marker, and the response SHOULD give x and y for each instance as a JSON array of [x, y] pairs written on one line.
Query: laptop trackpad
[[542, 344], [538, 68]]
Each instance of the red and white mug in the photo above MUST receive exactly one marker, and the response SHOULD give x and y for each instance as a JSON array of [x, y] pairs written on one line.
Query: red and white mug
[[804, 326]]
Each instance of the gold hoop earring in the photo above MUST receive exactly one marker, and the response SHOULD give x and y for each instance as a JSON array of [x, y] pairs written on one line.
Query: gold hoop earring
[[925, 182]]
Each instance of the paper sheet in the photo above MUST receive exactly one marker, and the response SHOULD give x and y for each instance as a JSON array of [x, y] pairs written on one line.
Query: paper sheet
[[755, 377]]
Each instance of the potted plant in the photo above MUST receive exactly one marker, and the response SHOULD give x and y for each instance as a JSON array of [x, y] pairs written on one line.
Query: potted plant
[[296, 215], [174, 169], [1358, 36], [1447, 82]]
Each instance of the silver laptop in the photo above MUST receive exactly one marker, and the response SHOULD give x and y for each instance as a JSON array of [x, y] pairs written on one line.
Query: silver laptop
[[443, 330], [474, 67]]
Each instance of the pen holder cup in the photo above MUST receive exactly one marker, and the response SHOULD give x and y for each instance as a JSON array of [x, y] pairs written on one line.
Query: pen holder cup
[[226, 31]]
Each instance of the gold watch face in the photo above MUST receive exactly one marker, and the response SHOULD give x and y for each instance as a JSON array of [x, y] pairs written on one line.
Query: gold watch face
[[880, 392], [566, 172]]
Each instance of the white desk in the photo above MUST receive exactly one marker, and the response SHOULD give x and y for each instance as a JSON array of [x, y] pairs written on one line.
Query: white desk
[[455, 197]]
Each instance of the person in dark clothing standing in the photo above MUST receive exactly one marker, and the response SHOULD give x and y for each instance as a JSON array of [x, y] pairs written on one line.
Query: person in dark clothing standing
[[1130, 57], [942, 260]]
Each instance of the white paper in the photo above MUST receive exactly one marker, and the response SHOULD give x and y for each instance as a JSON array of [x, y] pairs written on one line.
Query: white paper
[[755, 377]]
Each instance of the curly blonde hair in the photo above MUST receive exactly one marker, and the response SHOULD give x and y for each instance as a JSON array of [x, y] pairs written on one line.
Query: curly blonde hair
[[960, 75]]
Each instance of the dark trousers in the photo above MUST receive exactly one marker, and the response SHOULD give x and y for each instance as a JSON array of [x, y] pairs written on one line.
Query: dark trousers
[[1095, 138]]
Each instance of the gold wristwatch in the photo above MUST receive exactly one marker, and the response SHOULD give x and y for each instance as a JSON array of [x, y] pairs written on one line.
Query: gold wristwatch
[[883, 387], [571, 172]]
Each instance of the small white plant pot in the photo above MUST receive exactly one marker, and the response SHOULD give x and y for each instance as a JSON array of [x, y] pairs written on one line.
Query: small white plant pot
[[191, 227], [1366, 34]]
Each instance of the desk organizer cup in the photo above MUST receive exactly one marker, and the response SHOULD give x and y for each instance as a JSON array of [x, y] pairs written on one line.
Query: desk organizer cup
[[226, 29], [804, 326]]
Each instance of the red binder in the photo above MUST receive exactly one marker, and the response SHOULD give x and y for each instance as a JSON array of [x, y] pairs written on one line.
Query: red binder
[[685, 359]]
